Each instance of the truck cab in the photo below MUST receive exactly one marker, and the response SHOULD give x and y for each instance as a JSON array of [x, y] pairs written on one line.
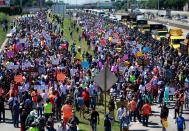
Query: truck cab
[[176, 38], [159, 34]]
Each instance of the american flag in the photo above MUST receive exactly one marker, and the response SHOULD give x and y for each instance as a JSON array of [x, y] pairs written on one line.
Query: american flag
[[148, 86]]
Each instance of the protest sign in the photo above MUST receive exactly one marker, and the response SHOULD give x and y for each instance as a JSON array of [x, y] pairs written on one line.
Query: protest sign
[[10, 54], [18, 78], [85, 64], [60, 76]]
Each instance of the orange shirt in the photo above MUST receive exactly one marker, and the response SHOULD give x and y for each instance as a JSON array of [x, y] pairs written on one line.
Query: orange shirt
[[133, 105], [66, 111], [52, 97], [146, 109]]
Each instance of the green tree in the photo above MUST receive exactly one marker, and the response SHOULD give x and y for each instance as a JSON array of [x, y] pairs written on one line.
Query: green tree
[[167, 4], [49, 3]]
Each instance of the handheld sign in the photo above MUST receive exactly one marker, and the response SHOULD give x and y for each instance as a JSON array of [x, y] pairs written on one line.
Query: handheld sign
[[85, 64], [60, 76], [18, 78]]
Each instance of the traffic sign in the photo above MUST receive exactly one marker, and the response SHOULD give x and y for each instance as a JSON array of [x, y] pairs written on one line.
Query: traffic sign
[[105, 79]]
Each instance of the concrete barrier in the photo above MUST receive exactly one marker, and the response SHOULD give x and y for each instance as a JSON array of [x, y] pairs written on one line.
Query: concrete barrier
[[173, 12]]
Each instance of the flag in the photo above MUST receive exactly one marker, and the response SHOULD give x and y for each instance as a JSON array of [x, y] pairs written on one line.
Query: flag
[[148, 86]]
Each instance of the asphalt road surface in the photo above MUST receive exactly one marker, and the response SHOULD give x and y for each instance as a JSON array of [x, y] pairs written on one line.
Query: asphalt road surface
[[154, 121]]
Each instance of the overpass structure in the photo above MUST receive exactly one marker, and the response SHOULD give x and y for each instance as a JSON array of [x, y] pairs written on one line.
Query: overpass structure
[[97, 5]]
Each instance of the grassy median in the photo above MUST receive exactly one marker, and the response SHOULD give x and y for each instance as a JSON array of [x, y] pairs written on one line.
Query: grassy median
[[84, 123]]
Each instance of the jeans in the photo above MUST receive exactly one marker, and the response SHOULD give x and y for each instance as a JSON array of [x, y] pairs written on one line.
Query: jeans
[[58, 113], [145, 120], [39, 111], [180, 129], [133, 114], [93, 102], [93, 125], [2, 112], [16, 119], [120, 126], [138, 115]]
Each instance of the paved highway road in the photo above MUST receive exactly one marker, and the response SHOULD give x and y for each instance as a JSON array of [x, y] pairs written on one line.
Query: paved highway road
[[154, 121]]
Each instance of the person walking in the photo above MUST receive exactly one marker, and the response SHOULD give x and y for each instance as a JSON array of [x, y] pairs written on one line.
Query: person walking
[[72, 123], [125, 121], [120, 113], [132, 107], [164, 115], [177, 107], [66, 112], [139, 107], [47, 109], [107, 123], [58, 105], [39, 105], [94, 119], [23, 117], [86, 98], [180, 121], [15, 111], [146, 110], [2, 108]]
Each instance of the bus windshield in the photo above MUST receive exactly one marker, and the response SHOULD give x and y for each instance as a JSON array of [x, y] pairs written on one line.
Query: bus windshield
[[142, 22], [157, 26], [162, 33]]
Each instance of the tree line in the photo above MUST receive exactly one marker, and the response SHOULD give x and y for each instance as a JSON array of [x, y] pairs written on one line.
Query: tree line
[[150, 4]]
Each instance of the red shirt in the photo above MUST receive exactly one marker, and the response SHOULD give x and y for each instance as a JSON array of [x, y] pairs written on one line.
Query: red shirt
[[85, 96], [133, 105], [146, 109]]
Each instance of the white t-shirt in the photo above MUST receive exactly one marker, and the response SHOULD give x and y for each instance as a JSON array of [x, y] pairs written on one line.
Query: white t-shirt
[[44, 96], [141, 88], [63, 89], [171, 91]]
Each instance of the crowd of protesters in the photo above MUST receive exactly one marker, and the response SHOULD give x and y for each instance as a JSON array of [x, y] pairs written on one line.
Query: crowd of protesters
[[44, 78]]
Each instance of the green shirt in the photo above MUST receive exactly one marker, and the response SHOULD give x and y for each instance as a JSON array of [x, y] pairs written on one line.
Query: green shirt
[[33, 129]]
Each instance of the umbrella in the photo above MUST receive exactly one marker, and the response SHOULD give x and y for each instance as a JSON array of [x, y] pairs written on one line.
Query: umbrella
[[145, 49]]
